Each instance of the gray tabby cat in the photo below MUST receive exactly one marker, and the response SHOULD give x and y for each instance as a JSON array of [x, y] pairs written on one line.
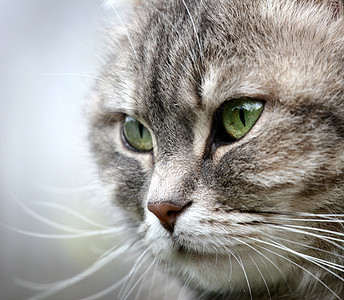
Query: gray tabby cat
[[219, 126]]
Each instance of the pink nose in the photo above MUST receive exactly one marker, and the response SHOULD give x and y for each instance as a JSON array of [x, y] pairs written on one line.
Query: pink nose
[[167, 213]]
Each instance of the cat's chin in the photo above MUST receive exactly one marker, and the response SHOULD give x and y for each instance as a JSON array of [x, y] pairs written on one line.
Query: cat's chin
[[218, 271], [225, 273]]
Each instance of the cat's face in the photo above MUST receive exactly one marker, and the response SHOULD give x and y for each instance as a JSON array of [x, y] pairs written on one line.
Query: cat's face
[[233, 211]]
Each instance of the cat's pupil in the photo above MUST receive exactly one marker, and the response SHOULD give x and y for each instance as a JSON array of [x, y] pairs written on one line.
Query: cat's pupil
[[242, 116], [141, 130]]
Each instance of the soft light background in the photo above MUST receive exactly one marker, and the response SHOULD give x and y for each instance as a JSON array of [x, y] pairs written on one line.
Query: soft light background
[[47, 51]]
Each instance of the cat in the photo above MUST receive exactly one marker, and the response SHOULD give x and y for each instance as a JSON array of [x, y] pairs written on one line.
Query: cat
[[218, 126]]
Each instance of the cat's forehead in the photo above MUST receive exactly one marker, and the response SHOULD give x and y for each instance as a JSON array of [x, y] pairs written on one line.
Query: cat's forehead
[[201, 55], [187, 58]]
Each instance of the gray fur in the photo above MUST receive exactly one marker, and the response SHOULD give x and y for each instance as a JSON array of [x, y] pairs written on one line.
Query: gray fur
[[179, 62]]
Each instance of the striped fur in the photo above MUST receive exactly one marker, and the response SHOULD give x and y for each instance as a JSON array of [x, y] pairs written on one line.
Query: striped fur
[[267, 210]]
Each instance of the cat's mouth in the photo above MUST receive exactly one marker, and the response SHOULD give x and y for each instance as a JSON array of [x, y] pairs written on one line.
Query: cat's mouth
[[186, 253], [181, 249], [203, 237], [211, 245]]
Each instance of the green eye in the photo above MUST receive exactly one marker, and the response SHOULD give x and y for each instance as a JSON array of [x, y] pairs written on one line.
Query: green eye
[[137, 135], [239, 116]]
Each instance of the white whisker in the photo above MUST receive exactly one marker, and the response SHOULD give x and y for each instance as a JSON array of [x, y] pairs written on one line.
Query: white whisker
[[134, 269], [272, 277], [125, 29], [190, 51], [241, 264], [325, 238], [33, 286], [138, 260], [184, 288], [72, 212], [230, 267], [83, 234], [139, 291], [153, 278], [195, 30], [320, 215], [86, 48], [267, 258], [261, 274], [310, 220], [315, 229], [43, 219], [281, 247], [139, 279], [302, 268], [167, 267], [61, 285], [114, 247], [308, 246], [312, 259], [106, 291]]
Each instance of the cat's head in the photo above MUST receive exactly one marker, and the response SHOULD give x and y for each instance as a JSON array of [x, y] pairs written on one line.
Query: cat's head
[[219, 125]]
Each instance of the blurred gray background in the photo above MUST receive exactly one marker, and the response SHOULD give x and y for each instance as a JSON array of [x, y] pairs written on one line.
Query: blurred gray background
[[47, 51]]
